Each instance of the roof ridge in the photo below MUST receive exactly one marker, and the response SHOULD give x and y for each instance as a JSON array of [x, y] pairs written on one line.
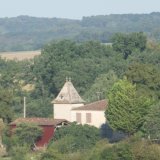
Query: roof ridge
[[37, 120], [100, 105]]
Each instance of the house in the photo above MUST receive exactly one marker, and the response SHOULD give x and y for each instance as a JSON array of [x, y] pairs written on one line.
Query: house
[[91, 114], [70, 106], [48, 125]]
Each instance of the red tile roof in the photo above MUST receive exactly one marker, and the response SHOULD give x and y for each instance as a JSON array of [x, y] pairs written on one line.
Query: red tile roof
[[95, 106], [39, 121]]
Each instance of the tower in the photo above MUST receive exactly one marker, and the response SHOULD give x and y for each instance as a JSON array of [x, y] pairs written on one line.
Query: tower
[[67, 99]]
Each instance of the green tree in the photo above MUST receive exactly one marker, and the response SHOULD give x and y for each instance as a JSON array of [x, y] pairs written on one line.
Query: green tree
[[83, 62], [76, 137], [6, 112], [120, 151], [152, 123], [19, 152], [52, 154], [41, 107], [27, 134], [127, 110], [146, 77], [101, 86], [127, 43]]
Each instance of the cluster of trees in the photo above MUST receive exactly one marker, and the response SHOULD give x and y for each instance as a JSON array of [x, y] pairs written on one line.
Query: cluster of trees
[[84, 142], [126, 73], [130, 149], [22, 140], [30, 33], [94, 68], [128, 43]]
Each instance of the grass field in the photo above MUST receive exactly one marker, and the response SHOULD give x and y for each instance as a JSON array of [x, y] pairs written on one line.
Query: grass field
[[20, 55]]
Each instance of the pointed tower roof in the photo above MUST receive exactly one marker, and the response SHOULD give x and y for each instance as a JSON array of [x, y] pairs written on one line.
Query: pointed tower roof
[[68, 94]]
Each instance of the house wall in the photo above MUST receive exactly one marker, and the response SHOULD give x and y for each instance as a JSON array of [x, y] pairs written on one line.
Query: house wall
[[97, 117], [63, 111]]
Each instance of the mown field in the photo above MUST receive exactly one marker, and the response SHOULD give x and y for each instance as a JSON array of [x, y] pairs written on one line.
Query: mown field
[[20, 55]]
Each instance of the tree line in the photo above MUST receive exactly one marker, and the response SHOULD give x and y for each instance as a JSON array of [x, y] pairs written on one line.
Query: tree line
[[31, 33]]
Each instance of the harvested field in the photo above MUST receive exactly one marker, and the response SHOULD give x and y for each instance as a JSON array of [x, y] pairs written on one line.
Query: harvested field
[[20, 55]]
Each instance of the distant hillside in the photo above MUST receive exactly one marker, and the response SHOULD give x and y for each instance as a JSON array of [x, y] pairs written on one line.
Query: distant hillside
[[30, 33]]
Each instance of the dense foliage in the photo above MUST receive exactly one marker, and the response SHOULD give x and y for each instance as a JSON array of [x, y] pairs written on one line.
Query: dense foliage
[[83, 62], [146, 77], [27, 134], [127, 110], [96, 70], [93, 67], [75, 137], [151, 126], [127, 43], [124, 150], [6, 112], [130, 149]]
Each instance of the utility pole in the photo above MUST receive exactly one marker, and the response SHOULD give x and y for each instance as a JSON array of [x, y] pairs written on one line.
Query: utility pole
[[98, 95], [24, 107]]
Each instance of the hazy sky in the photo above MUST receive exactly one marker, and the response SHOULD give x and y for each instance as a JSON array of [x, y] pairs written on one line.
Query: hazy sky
[[75, 9]]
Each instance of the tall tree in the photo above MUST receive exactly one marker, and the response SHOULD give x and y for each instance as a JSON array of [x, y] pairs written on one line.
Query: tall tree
[[6, 112], [101, 86], [1, 130], [152, 124], [127, 110], [127, 43], [146, 77]]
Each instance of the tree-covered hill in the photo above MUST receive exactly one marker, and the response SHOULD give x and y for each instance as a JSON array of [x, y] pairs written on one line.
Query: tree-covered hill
[[30, 33]]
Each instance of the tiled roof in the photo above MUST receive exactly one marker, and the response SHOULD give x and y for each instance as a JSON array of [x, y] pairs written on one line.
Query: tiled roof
[[68, 95], [39, 121], [95, 106]]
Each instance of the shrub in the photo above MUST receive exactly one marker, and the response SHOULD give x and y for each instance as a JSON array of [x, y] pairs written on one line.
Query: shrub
[[19, 153], [51, 154], [145, 150], [27, 134], [76, 137]]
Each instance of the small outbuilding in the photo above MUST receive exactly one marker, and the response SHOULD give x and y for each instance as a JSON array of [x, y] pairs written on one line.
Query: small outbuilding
[[48, 125]]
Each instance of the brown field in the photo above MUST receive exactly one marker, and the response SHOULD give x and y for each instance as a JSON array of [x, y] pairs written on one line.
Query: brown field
[[20, 55]]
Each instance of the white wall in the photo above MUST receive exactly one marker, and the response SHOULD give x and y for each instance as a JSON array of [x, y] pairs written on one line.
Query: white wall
[[63, 111], [97, 117]]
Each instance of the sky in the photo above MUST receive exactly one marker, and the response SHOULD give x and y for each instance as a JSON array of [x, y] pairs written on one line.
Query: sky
[[75, 9]]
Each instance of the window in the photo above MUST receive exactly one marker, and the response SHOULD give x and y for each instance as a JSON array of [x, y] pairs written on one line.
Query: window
[[88, 117], [61, 96], [78, 117]]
